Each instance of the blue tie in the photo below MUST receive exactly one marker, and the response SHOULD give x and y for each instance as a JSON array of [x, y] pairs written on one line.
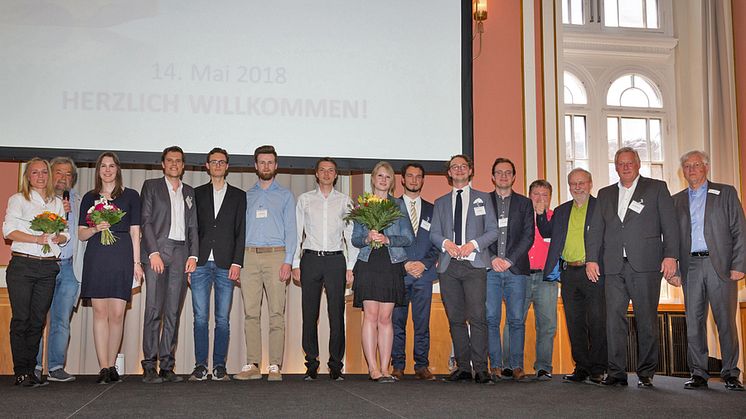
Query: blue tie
[[457, 214]]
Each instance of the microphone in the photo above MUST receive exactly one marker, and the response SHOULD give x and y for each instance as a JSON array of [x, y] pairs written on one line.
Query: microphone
[[66, 195]]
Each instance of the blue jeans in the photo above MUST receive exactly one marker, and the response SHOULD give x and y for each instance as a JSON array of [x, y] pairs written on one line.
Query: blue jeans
[[543, 295], [512, 288], [65, 295], [202, 281]]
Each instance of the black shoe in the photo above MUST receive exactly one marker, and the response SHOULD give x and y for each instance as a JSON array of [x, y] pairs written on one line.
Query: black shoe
[[482, 377], [311, 374], [336, 375], [695, 382], [219, 373], [199, 373], [575, 377], [31, 380], [170, 377], [150, 376], [103, 376], [19, 379], [507, 373], [458, 376], [645, 382], [114, 376], [543, 375], [613, 381], [732, 383]]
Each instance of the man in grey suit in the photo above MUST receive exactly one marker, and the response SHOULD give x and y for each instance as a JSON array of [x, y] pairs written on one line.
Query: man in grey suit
[[712, 261], [634, 232], [170, 245], [463, 227]]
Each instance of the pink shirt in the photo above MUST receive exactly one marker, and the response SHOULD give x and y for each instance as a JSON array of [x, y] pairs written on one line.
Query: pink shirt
[[537, 255]]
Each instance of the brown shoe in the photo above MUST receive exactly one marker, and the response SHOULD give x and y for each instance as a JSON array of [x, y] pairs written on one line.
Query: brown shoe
[[518, 374], [398, 373], [424, 374], [496, 374]]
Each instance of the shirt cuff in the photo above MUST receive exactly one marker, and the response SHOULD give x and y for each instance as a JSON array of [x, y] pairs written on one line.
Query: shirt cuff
[[476, 245]]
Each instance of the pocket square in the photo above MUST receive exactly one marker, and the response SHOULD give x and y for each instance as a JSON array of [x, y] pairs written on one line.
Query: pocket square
[[188, 201], [478, 201]]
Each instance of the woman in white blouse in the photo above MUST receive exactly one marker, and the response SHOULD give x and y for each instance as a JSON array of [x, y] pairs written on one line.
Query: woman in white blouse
[[31, 273]]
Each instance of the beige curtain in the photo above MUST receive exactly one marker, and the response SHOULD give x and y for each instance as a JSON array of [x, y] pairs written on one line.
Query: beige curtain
[[720, 119], [81, 353]]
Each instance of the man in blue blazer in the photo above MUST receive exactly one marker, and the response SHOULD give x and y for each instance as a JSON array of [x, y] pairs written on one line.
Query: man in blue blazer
[[584, 301], [418, 282], [463, 228]]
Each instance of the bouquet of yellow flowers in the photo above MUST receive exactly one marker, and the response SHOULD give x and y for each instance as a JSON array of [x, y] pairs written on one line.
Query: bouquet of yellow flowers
[[103, 210], [375, 213], [49, 223]]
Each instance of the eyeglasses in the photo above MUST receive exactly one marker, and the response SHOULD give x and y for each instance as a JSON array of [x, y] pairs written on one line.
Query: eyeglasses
[[218, 162], [690, 166], [459, 167]]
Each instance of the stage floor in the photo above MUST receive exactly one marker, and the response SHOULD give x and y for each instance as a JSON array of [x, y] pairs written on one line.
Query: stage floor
[[358, 397]]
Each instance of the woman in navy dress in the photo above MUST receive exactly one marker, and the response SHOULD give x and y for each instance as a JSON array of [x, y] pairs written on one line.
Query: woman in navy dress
[[108, 270]]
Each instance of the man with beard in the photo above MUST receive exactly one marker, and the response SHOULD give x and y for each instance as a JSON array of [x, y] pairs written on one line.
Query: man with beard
[[418, 282], [321, 265], [64, 176], [170, 245], [271, 238]]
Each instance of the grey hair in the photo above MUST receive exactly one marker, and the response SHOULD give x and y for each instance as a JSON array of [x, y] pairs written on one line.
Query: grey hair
[[704, 156], [579, 170], [627, 150], [65, 160]]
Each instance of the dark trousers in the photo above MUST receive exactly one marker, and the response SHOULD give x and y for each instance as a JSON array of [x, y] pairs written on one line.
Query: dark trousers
[[419, 292], [585, 315], [704, 287], [464, 292], [30, 289], [164, 298], [644, 289], [319, 273]]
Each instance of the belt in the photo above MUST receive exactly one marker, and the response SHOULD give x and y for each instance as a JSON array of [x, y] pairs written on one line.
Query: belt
[[322, 252], [575, 265], [701, 254], [536, 271], [266, 249], [26, 255]]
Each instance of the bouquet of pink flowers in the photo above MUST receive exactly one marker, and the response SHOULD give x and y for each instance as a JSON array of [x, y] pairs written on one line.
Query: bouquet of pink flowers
[[104, 211], [49, 223]]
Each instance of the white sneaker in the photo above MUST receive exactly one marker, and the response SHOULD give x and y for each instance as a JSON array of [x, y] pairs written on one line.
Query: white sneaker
[[249, 372], [274, 373]]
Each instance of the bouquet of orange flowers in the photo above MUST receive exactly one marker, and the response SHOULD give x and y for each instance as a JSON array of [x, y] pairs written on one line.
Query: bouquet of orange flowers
[[375, 213], [49, 223], [104, 211]]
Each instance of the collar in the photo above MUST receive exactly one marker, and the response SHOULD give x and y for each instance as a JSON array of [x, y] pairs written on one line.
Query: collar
[[168, 184], [634, 184], [702, 189], [407, 200], [272, 186], [465, 189]]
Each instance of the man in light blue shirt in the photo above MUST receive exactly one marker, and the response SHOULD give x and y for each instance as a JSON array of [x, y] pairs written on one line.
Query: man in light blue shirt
[[271, 238], [64, 175]]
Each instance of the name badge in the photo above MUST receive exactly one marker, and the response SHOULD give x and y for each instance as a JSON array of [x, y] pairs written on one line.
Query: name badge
[[425, 225], [502, 222], [636, 206], [713, 191], [479, 210], [261, 213]]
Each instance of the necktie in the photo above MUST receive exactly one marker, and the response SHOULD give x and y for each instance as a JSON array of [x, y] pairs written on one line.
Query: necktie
[[457, 214], [413, 217]]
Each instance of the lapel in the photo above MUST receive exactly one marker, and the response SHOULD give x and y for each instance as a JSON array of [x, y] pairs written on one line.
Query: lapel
[[449, 215], [211, 200], [688, 220], [165, 198], [639, 190], [709, 205]]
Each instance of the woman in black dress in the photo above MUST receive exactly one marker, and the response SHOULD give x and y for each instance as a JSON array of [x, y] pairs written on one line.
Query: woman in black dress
[[108, 271], [379, 276]]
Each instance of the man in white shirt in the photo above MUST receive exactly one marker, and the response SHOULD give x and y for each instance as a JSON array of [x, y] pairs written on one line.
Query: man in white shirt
[[319, 263], [170, 245]]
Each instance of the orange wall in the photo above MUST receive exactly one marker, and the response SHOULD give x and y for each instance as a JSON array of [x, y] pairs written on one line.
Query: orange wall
[[8, 186], [739, 45]]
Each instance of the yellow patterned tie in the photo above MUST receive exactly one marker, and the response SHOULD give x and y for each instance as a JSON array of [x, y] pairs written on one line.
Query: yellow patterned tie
[[413, 217]]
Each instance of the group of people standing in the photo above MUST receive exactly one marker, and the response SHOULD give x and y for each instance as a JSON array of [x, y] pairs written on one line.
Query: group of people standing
[[485, 249]]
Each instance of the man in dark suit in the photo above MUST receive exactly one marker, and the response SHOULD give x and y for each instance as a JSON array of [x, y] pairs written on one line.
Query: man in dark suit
[[221, 216], [510, 270], [634, 232], [463, 228], [418, 282], [584, 301], [169, 244], [712, 261]]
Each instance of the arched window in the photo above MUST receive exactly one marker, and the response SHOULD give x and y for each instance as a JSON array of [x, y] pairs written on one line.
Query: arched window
[[576, 117], [635, 119]]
